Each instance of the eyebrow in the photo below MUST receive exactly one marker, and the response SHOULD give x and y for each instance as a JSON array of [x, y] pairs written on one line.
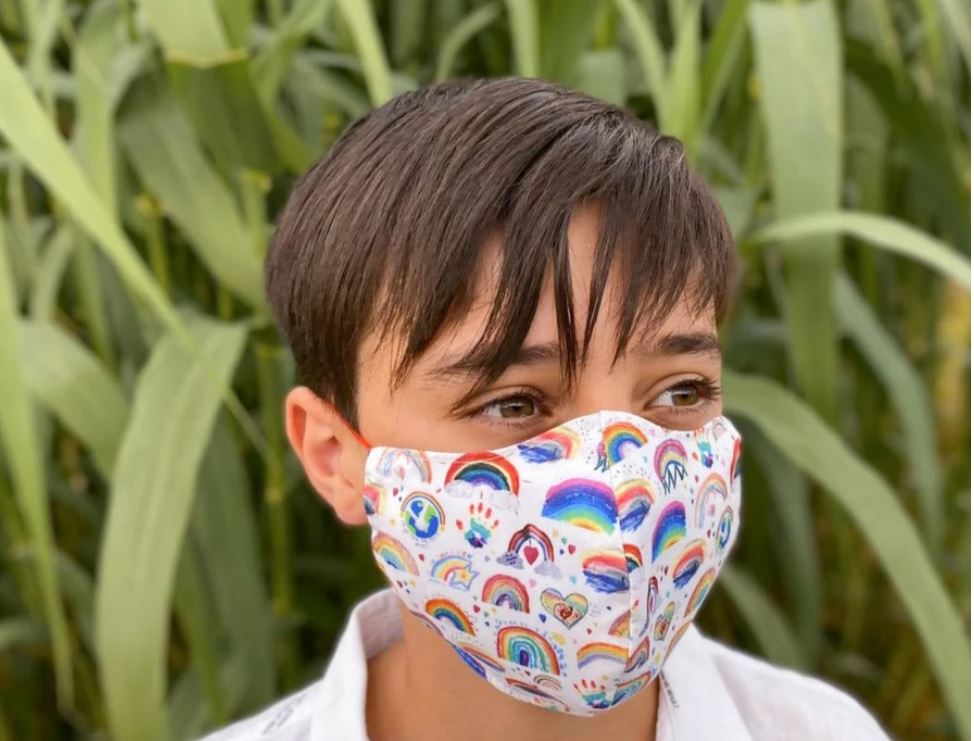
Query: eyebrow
[[669, 345]]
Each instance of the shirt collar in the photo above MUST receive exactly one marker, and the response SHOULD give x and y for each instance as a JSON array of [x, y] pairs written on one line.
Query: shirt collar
[[694, 702]]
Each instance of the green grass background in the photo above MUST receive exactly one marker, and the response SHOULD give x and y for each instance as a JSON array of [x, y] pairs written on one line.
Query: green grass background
[[165, 568]]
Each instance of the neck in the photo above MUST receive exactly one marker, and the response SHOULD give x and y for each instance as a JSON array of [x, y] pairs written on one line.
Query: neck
[[419, 688]]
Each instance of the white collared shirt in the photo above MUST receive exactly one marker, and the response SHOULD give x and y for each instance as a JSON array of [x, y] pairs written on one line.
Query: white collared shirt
[[707, 691]]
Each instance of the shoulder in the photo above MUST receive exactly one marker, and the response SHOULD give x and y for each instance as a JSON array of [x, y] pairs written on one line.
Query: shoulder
[[288, 719], [782, 703]]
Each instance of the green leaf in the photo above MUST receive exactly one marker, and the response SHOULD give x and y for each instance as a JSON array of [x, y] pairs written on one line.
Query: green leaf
[[526, 39], [225, 532], [18, 631], [163, 149], [272, 62], [723, 49], [217, 98], [799, 552], [473, 23], [29, 132], [813, 447], [882, 231], [649, 50], [200, 41], [683, 82], [769, 626], [906, 392], [602, 74], [71, 382], [566, 30], [21, 448], [368, 42], [176, 402], [799, 45]]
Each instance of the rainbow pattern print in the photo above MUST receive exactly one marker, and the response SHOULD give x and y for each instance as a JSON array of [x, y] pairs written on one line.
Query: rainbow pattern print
[[564, 568], [670, 462], [484, 469], [583, 503]]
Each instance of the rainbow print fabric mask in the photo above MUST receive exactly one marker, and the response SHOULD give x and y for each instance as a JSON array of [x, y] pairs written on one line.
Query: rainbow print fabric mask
[[564, 568]]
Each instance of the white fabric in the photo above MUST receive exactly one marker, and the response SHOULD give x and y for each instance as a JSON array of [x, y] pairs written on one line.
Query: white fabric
[[707, 691], [561, 568]]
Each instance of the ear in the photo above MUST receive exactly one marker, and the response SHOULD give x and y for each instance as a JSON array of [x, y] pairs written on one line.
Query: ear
[[332, 458]]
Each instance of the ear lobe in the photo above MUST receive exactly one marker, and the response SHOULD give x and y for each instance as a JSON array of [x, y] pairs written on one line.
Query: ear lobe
[[319, 439]]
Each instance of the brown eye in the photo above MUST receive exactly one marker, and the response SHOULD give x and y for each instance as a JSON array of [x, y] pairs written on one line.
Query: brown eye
[[512, 407], [516, 407], [685, 396]]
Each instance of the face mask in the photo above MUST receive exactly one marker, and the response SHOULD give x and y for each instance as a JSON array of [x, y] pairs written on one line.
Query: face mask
[[562, 569]]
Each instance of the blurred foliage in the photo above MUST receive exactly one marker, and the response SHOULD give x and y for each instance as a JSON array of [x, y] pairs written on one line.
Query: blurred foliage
[[164, 567]]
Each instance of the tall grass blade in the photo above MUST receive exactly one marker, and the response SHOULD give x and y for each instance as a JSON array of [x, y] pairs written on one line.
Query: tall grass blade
[[175, 406], [25, 460], [882, 231], [792, 43], [814, 448]]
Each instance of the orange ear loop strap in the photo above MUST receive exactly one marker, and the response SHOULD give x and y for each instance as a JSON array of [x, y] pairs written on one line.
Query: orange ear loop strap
[[361, 439]]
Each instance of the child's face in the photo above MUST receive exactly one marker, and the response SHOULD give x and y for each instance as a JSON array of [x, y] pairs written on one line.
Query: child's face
[[665, 382]]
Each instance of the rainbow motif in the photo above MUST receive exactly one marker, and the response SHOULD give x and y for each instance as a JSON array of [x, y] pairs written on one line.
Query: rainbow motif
[[600, 651], [524, 647], [634, 557], [688, 563], [457, 571], [560, 443], [711, 491], [583, 503], [735, 464], [372, 497], [620, 439], [633, 499], [662, 626], [429, 623], [606, 571], [620, 626], [630, 687], [652, 597], [706, 453], [725, 528], [528, 687], [470, 661], [700, 591], [551, 702], [450, 613], [639, 657], [670, 463], [506, 591], [484, 469], [422, 515], [653, 594], [530, 542], [391, 551], [671, 528], [484, 658], [543, 680], [408, 466], [676, 639]]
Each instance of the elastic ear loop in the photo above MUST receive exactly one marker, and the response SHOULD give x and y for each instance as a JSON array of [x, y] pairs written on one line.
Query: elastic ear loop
[[358, 436]]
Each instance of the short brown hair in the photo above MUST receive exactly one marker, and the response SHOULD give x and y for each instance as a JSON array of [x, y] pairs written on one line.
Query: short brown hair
[[403, 203]]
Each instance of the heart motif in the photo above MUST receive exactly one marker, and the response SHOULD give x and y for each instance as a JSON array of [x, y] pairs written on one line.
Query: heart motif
[[531, 553], [569, 609]]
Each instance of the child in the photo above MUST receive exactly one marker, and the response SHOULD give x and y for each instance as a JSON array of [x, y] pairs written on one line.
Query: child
[[503, 297]]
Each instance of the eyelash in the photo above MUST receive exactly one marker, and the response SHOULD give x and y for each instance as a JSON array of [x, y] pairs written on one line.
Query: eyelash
[[707, 388]]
